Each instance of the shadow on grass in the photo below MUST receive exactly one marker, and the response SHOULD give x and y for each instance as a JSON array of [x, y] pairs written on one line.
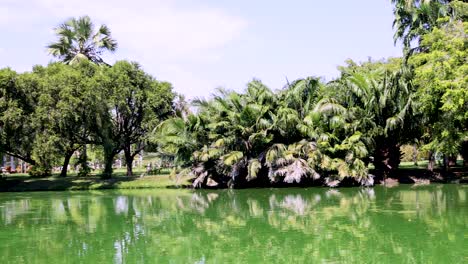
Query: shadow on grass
[[22, 183], [74, 183]]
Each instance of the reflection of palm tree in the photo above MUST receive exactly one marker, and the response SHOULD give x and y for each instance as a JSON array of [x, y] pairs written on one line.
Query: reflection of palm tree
[[266, 225]]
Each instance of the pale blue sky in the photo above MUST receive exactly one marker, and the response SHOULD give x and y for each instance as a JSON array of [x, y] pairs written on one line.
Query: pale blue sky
[[203, 44]]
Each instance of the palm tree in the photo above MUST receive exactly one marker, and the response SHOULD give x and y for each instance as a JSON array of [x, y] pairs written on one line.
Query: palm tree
[[381, 101], [262, 137], [414, 18], [78, 40], [181, 106]]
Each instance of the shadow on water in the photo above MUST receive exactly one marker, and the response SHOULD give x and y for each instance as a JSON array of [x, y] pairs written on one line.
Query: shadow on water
[[382, 225]]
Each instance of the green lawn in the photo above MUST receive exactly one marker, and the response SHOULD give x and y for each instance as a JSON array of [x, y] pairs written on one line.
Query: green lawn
[[422, 164], [14, 183]]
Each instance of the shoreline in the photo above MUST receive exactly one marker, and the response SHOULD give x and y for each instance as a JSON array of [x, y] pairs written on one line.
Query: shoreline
[[74, 183]]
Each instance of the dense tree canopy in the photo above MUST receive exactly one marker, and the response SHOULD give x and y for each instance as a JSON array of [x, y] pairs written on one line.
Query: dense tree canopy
[[67, 109], [379, 98], [415, 18], [441, 74], [136, 104], [18, 100], [258, 137], [53, 111]]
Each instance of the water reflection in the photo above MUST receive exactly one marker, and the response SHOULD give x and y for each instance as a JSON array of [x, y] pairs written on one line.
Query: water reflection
[[403, 224]]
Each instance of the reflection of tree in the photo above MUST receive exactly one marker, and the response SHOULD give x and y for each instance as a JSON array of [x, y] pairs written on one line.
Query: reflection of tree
[[424, 224]]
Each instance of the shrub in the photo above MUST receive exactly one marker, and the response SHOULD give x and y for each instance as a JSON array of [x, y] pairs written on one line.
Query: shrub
[[39, 171], [407, 153]]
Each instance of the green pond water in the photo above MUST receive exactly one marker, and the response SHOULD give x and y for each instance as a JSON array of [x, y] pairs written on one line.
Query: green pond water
[[405, 224]]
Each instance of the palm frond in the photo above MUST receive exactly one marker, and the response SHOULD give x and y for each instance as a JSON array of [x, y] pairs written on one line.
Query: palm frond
[[253, 169], [232, 157]]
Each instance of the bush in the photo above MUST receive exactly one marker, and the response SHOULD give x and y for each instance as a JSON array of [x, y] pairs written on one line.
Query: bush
[[84, 170], [407, 153], [39, 172]]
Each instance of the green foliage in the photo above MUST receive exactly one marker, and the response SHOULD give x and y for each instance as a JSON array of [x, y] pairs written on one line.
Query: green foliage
[[69, 107], [237, 139], [51, 112], [414, 18], [38, 171], [380, 102], [18, 99], [135, 104], [410, 152], [441, 75]]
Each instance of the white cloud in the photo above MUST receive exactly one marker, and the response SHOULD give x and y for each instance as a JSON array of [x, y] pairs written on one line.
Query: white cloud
[[160, 29], [167, 38], [186, 82], [156, 33]]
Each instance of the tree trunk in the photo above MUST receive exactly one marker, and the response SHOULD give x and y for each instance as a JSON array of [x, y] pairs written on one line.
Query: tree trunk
[[108, 160], [415, 155], [128, 160], [464, 152], [387, 157], [84, 167], [66, 161], [430, 165], [107, 173], [446, 163]]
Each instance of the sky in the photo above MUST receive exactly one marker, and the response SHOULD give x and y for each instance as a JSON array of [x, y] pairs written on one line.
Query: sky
[[200, 45]]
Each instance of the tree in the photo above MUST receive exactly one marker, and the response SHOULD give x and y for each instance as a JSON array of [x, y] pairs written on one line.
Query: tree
[[136, 103], [179, 138], [260, 137], [414, 18], [18, 100], [441, 77], [68, 107], [78, 40], [380, 98], [181, 107]]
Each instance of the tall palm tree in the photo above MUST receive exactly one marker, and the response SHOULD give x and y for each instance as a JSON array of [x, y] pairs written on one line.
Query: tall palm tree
[[414, 18], [77, 40], [381, 101]]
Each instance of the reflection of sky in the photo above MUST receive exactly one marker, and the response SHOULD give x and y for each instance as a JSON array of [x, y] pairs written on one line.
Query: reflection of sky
[[121, 205]]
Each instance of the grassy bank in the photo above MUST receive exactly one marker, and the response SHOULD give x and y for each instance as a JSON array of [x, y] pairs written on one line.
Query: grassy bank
[[23, 183], [20, 183]]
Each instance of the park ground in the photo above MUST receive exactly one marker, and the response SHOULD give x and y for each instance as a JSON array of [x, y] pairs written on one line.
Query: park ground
[[25, 183]]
